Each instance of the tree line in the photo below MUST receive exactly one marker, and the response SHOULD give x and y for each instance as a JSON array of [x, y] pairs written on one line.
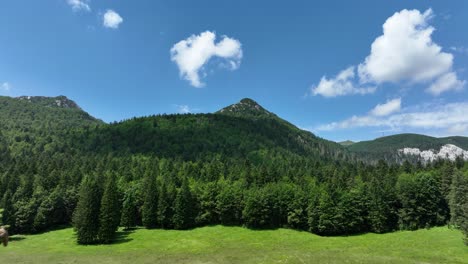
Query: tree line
[[99, 194]]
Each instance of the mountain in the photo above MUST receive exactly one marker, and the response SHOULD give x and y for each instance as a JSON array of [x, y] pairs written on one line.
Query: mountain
[[397, 148], [346, 143], [38, 124], [244, 129], [34, 124], [53, 102], [247, 108]]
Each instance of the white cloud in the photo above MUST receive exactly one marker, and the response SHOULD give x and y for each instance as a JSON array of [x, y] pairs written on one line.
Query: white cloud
[[405, 52], [449, 118], [342, 84], [387, 108], [193, 53], [446, 82], [79, 5], [112, 19], [183, 109], [5, 86]]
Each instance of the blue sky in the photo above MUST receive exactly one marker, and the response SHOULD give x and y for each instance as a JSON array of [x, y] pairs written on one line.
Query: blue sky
[[325, 66]]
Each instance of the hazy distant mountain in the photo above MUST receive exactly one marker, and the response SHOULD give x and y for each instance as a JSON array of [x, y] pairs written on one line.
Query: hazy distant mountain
[[412, 146], [346, 143]]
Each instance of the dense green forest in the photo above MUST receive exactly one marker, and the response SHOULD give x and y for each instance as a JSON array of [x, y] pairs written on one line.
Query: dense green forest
[[240, 166]]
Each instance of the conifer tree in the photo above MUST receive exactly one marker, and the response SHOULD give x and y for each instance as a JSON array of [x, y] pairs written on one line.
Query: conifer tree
[[165, 211], [109, 216], [129, 210], [183, 208], [8, 215], [86, 215], [150, 201]]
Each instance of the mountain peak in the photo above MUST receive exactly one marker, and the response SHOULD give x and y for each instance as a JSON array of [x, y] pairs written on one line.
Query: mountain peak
[[54, 102], [248, 101], [246, 107]]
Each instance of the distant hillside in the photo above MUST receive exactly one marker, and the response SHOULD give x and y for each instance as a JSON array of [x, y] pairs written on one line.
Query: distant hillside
[[32, 124], [346, 143], [244, 129], [53, 102], [391, 148]]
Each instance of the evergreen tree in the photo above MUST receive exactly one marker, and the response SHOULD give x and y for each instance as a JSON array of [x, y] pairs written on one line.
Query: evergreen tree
[[183, 208], [129, 210], [8, 215], [51, 211], [382, 204], [165, 211], [150, 201], [109, 216], [25, 211], [208, 214], [86, 216]]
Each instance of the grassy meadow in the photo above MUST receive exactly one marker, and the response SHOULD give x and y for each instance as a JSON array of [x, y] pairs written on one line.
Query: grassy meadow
[[219, 244]]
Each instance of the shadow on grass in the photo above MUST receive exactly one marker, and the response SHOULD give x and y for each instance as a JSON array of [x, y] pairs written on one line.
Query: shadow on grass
[[121, 237], [16, 238]]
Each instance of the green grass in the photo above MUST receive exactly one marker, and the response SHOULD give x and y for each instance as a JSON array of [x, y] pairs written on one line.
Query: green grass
[[220, 244]]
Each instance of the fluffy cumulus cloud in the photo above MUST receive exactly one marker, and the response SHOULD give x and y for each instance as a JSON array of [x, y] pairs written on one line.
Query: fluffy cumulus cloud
[[112, 19], [79, 5], [193, 53], [446, 82], [342, 84], [405, 52], [448, 118], [387, 108]]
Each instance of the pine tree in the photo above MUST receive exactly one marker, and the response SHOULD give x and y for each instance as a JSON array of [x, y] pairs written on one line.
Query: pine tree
[[8, 215], [86, 215], [183, 208], [150, 202], [129, 210], [109, 216], [165, 211]]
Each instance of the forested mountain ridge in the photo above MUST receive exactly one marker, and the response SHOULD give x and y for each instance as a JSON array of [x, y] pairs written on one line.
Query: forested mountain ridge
[[34, 124], [54, 102], [415, 147], [242, 130]]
